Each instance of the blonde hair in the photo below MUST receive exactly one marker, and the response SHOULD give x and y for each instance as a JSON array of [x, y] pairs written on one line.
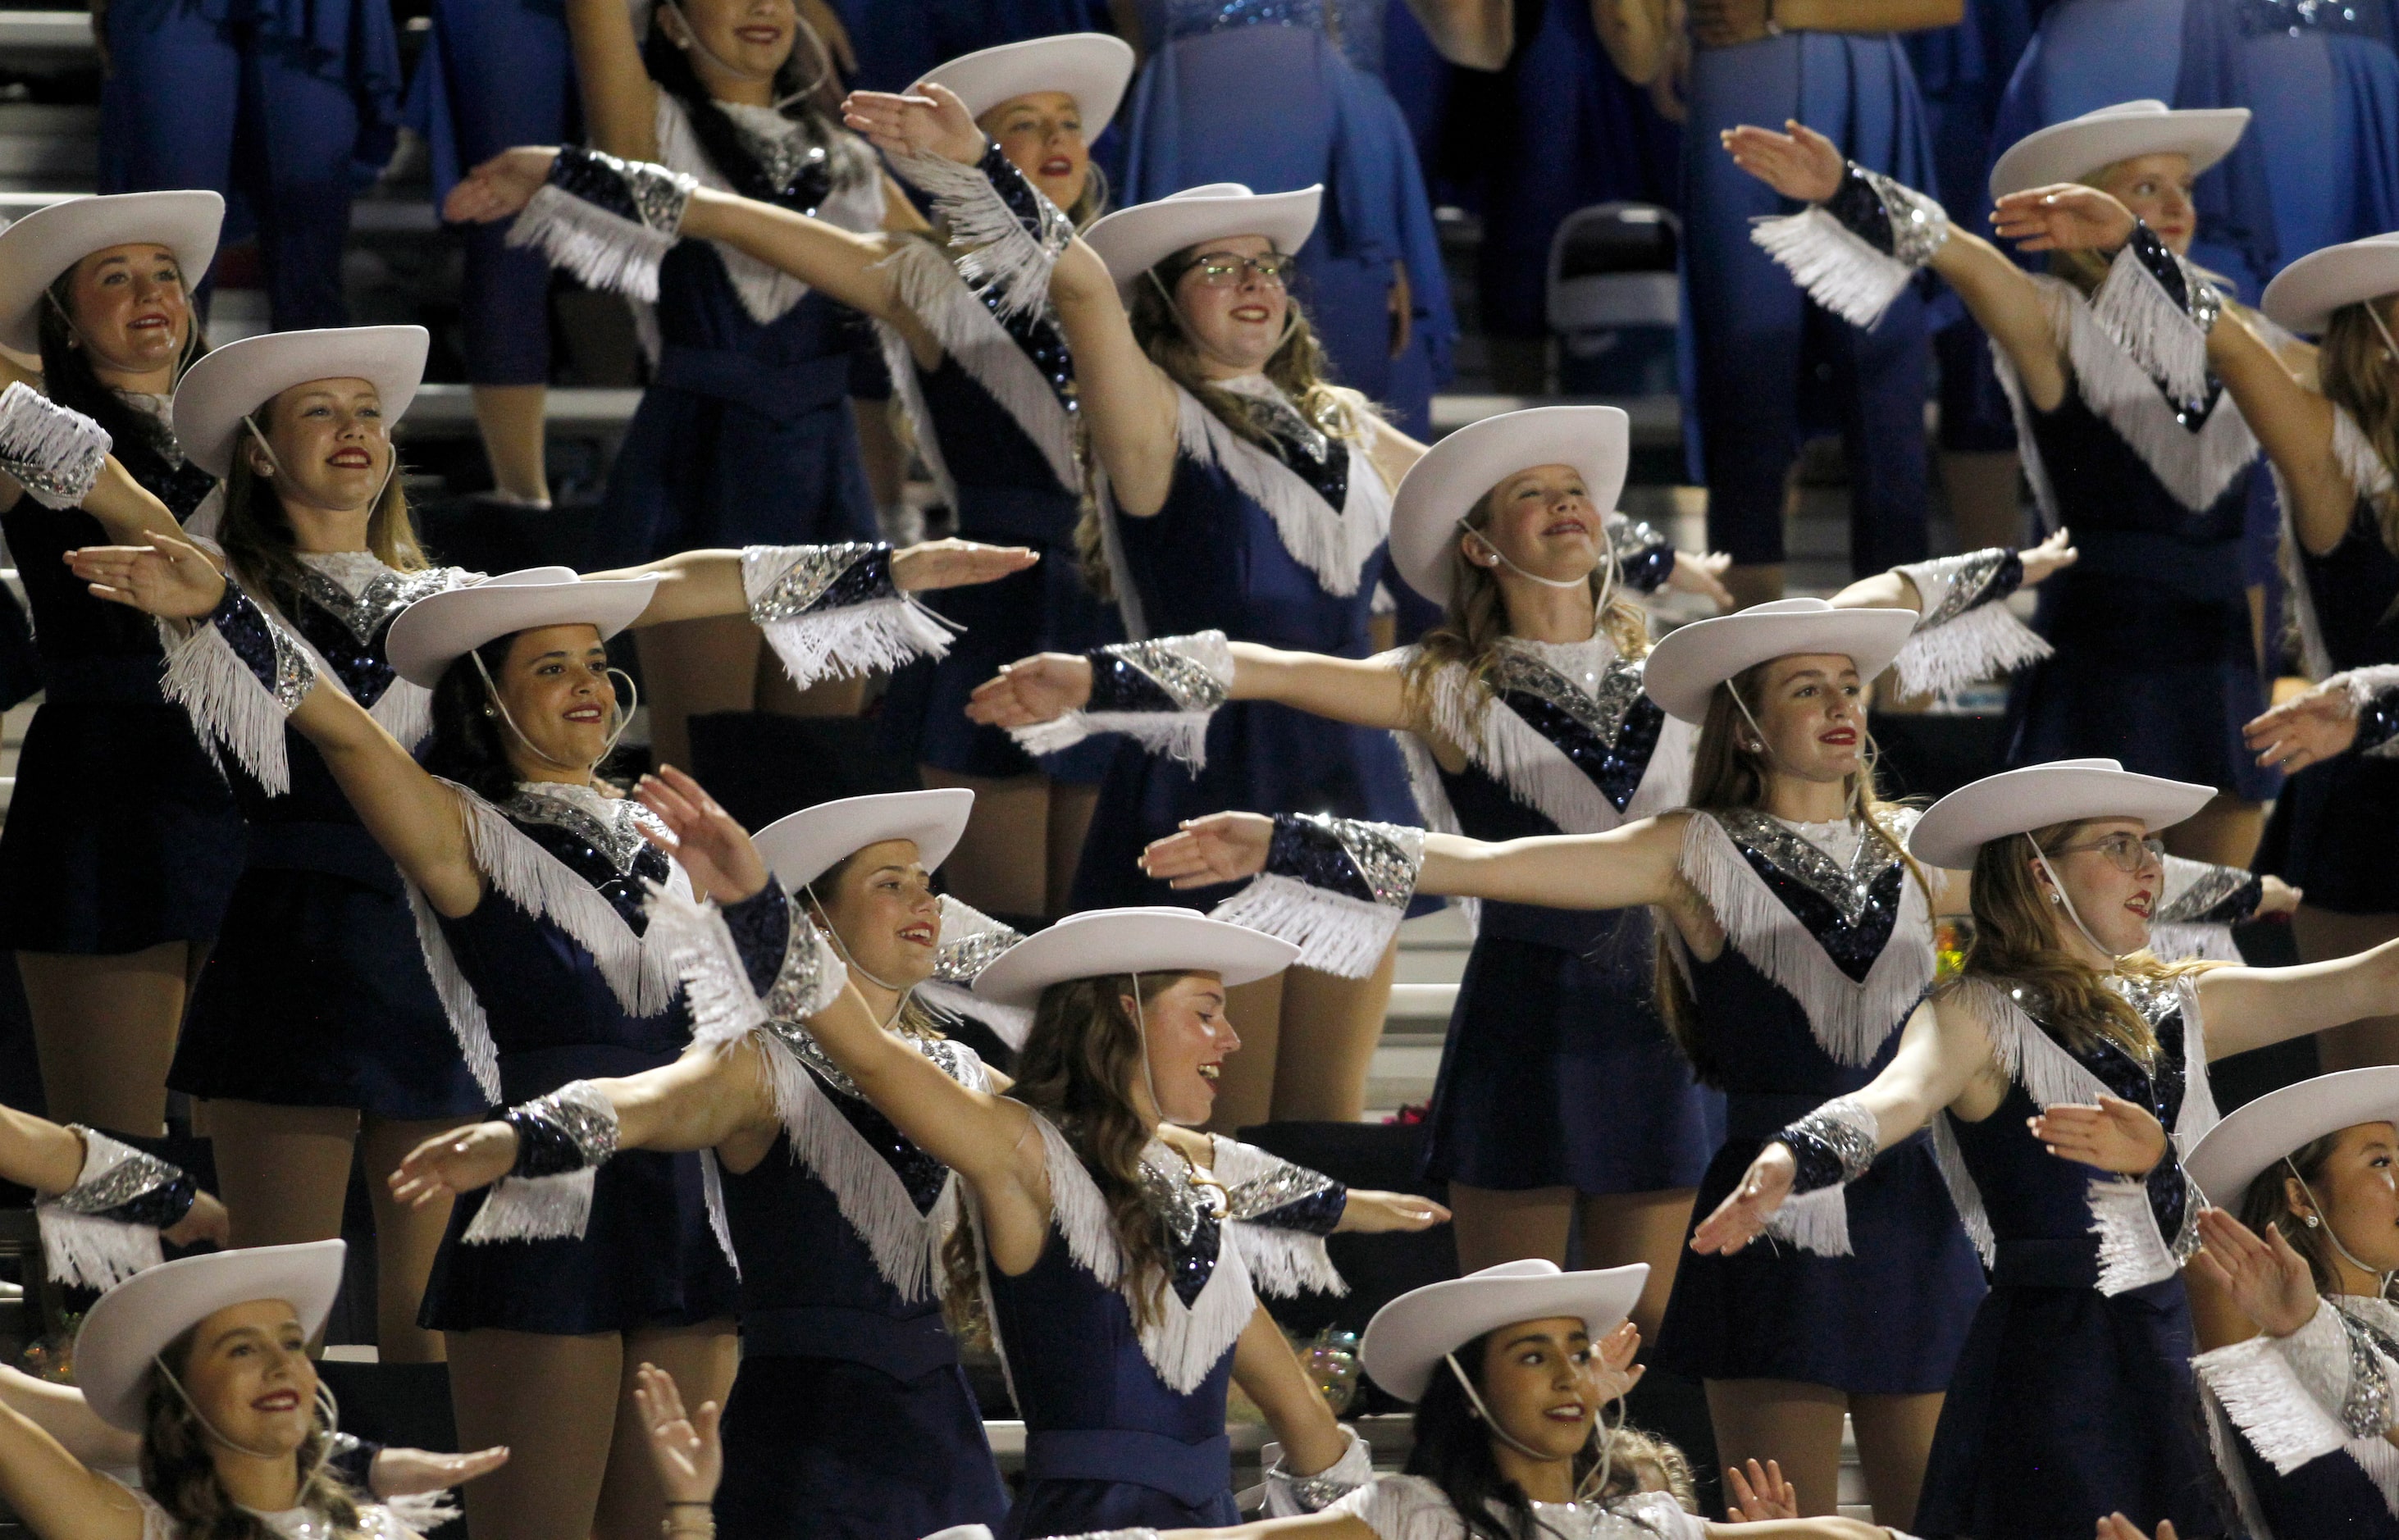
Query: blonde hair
[[257, 534]]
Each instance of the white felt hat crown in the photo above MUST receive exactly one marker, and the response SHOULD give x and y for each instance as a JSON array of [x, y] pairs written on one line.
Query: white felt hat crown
[[2082, 146], [441, 628], [1405, 1341], [1686, 666], [2257, 1134], [1103, 942], [2304, 295], [2017, 802], [799, 847], [135, 1321], [36, 249], [238, 378], [1090, 66], [1443, 487], [1133, 240]]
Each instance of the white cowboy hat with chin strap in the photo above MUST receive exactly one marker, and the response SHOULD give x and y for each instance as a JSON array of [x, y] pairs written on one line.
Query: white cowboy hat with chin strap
[[2080, 147], [1407, 1339], [134, 1322], [800, 847], [2258, 1134], [1687, 666], [238, 378], [2304, 295], [1133, 240], [36, 249], [1102, 943], [1441, 488], [438, 629], [2017, 802], [1092, 67]]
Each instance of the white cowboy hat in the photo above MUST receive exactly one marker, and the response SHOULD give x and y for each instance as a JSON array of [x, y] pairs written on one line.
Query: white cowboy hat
[[1133, 240], [1407, 1338], [799, 847], [438, 629], [2017, 802], [135, 1321], [2257, 1134], [238, 378], [2304, 295], [36, 249], [1443, 487], [1100, 942], [1687, 666], [2080, 146], [1090, 66]]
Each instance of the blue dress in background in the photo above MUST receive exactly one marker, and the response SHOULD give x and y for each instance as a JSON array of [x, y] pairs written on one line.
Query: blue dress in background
[[2325, 92]]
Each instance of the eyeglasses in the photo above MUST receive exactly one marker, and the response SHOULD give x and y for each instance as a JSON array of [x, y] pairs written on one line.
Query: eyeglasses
[[1225, 270], [2125, 852]]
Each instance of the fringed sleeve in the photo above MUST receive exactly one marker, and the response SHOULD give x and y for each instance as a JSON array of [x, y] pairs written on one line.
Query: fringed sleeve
[[1644, 556], [104, 1229], [1161, 693], [1834, 1146], [1290, 1496], [54, 452], [2158, 310], [239, 675], [2201, 905], [1337, 888], [833, 611], [610, 222], [562, 1140], [1965, 631], [735, 984], [1855, 251], [1007, 236], [2300, 1398], [969, 940], [2373, 695], [1278, 1214]]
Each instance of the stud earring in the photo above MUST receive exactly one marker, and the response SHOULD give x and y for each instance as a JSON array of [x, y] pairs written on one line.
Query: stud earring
[[489, 712], [2312, 1222], [2053, 898]]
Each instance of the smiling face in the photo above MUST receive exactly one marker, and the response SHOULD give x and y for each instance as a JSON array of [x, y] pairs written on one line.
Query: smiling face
[[332, 448], [2116, 905], [1541, 519], [1189, 1036], [554, 682], [2157, 189], [1041, 134], [1812, 710], [882, 905], [250, 1375], [2358, 1186], [753, 37], [129, 309], [1537, 1384], [1235, 315]]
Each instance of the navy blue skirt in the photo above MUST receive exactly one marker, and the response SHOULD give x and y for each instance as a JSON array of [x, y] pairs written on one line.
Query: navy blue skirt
[[2068, 1406], [1558, 1073], [2334, 834], [1888, 1320], [701, 471], [1052, 1506], [2329, 1498], [826, 1449]]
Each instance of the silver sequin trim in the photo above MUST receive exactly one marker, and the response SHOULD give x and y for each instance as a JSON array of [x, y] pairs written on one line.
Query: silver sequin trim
[[1601, 710], [960, 962], [1630, 537], [1263, 1194], [803, 584], [580, 1112], [2155, 998], [1174, 1190], [1846, 1126], [294, 672], [135, 1174], [611, 825], [64, 486], [2365, 1413], [951, 1059], [1969, 575], [660, 195], [1386, 854], [1174, 664], [363, 612], [2211, 888], [2206, 304], [1273, 412], [1918, 228], [1849, 892]]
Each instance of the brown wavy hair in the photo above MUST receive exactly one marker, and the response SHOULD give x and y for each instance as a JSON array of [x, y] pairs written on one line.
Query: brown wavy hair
[[257, 534], [178, 1471], [1726, 776], [916, 1018], [2358, 376]]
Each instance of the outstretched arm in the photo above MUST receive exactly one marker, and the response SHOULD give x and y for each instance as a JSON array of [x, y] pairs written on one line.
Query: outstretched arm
[[54, 1493], [704, 584], [1367, 692], [1898, 589], [2295, 424], [2248, 1008]]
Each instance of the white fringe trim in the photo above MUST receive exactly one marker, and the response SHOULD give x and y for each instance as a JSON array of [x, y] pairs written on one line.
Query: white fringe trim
[[420, 1513], [998, 256], [878, 635], [1840, 271], [600, 249], [1281, 1263], [2255, 1384], [1986, 641], [540, 1207], [2132, 1251], [1434, 810], [1010, 1024], [1537, 773], [405, 710], [1850, 1021], [720, 1223], [2158, 335], [227, 704], [1181, 735], [1333, 545], [467, 1022], [90, 1251], [37, 432], [1335, 934], [1817, 1222], [2174, 944]]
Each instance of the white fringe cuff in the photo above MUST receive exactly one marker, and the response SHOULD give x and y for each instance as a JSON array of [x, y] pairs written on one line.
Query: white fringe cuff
[[90, 1251], [1178, 734], [1817, 1222], [2157, 333], [215, 688], [1840, 271], [2256, 1385], [603, 250], [541, 1208], [1984, 642], [1290, 1496], [53, 452], [998, 256], [1335, 934], [1285, 1264], [863, 639], [2132, 1253]]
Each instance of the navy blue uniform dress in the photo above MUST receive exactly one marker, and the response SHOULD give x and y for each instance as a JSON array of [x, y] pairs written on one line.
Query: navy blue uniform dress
[[2297, 1422], [2331, 1498], [121, 834], [315, 993]]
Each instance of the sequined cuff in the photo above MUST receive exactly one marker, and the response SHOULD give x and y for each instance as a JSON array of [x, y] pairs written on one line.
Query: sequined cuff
[[1644, 556], [761, 927], [1371, 862], [353, 1460], [1894, 219], [1949, 585], [1288, 1196], [834, 611], [1834, 1145], [274, 657], [2200, 893], [610, 222], [1007, 235], [813, 579], [2373, 701], [1289, 1496], [2159, 261], [969, 940], [127, 1185], [2158, 310], [573, 1128], [53, 452], [635, 191], [811, 974], [1161, 694], [1858, 250], [2334, 1361]]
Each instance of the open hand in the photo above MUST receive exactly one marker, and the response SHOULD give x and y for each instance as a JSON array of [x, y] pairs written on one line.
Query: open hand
[[205, 1221], [2266, 1279], [2277, 897], [1032, 690], [1761, 1495], [2065, 216], [955, 564], [1221, 848], [1801, 164], [2116, 1135], [2305, 730], [413, 1472], [929, 121], [459, 1161], [683, 1447], [1702, 575], [500, 186], [1373, 1213], [2116, 1526], [1612, 1369], [1741, 1217], [711, 846], [170, 578], [2052, 555]]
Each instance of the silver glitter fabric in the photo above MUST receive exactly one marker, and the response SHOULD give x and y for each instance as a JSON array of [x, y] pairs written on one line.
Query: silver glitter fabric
[[1614, 688], [134, 1174], [660, 195], [2211, 888], [1968, 574], [1846, 1127], [1177, 1194], [611, 825], [1286, 1183], [57, 487], [2206, 304], [295, 672], [1175, 664], [2155, 998], [945, 1055], [1849, 892], [365, 608], [1918, 228], [2365, 1413], [1386, 854], [801, 972], [1273, 412], [805, 584], [961, 961], [586, 1118], [782, 156]]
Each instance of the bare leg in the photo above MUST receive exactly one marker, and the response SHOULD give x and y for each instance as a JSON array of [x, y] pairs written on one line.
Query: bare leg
[[702, 1358], [1753, 583], [1070, 819], [692, 668], [1894, 1440], [1320, 1063], [1981, 485], [2323, 935], [405, 1241], [1495, 1224], [513, 427], [1784, 1420], [1622, 1228], [552, 1401], [282, 1172], [2225, 831], [106, 1030], [1245, 1091], [1002, 864]]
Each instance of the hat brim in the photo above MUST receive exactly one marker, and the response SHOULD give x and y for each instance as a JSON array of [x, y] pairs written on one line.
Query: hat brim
[[1685, 667], [1407, 1338], [1133, 240], [1103, 942], [800, 847], [441, 628], [2257, 1134], [36, 249], [1090, 66], [2082, 147], [2016, 801], [1443, 485], [2304, 295], [238, 378], [135, 1321]]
